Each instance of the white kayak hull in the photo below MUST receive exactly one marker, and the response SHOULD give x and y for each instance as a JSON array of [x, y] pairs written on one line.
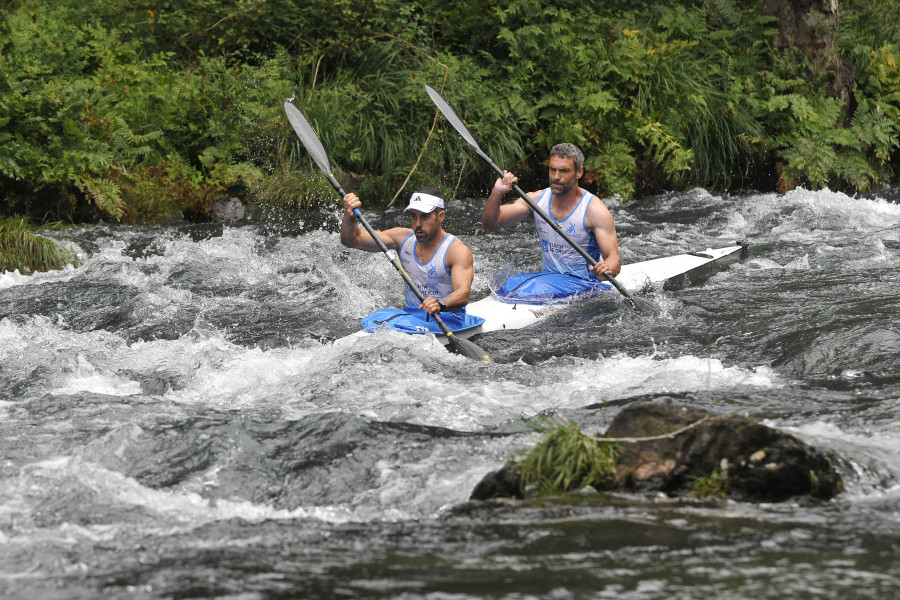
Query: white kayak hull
[[671, 272]]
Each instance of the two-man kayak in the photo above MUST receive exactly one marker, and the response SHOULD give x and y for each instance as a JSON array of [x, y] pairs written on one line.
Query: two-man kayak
[[523, 299], [515, 309]]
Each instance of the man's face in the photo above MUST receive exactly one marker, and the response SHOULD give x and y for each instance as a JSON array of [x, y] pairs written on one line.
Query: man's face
[[426, 225], [563, 175]]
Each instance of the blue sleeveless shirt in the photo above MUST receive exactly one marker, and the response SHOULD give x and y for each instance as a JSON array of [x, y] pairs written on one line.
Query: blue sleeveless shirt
[[559, 256]]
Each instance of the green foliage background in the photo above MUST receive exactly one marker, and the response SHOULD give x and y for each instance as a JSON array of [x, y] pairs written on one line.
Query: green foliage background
[[147, 111]]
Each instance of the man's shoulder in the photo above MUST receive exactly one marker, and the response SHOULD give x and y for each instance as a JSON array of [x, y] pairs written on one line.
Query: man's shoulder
[[596, 202], [458, 242], [598, 214], [458, 248]]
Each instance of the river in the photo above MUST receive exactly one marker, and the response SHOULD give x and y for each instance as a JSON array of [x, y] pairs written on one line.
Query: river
[[176, 420]]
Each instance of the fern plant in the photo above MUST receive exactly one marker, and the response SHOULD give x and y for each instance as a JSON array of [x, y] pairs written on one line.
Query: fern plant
[[118, 111]]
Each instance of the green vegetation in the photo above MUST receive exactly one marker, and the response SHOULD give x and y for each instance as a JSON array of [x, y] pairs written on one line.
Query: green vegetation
[[567, 459], [21, 249], [715, 485], [141, 112]]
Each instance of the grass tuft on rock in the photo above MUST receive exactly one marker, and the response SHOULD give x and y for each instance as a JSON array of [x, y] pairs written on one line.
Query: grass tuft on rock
[[714, 485], [567, 459]]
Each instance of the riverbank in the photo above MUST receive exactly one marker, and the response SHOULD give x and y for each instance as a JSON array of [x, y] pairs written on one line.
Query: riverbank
[[117, 112]]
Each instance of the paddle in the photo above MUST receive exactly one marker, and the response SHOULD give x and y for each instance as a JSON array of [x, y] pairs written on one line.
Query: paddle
[[639, 304], [314, 146]]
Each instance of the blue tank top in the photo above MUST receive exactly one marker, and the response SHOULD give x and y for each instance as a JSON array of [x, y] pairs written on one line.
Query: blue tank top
[[432, 278], [559, 256]]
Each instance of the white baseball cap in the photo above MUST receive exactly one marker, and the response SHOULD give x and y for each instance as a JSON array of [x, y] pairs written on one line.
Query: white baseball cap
[[424, 202]]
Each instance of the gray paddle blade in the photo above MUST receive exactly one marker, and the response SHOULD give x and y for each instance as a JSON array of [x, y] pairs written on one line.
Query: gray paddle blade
[[467, 349], [307, 136], [645, 307], [451, 116]]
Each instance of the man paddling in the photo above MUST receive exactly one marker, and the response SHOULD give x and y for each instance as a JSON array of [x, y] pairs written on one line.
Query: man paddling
[[439, 264], [580, 214]]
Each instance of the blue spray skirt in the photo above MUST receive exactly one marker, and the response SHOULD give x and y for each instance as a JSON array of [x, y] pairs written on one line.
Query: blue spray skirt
[[416, 320], [547, 288]]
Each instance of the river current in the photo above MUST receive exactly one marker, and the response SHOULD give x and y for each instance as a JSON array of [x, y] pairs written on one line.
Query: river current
[[177, 421]]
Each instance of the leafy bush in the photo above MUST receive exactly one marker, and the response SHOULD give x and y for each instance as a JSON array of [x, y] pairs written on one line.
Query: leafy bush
[[93, 120], [150, 111]]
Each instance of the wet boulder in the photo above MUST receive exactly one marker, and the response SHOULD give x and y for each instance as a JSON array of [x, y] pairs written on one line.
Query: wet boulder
[[755, 462], [684, 451], [229, 210]]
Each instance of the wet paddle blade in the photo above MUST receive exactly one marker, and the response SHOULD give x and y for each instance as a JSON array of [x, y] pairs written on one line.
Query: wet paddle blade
[[307, 136], [644, 306], [451, 116], [640, 305], [466, 348]]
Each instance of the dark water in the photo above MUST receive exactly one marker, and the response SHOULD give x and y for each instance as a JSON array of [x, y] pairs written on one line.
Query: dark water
[[176, 420]]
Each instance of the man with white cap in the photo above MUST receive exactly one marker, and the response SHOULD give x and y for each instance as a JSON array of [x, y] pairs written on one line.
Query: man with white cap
[[439, 263]]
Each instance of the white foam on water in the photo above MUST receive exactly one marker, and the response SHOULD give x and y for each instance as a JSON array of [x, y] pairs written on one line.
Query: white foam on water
[[578, 383], [378, 376], [389, 377], [802, 216], [624, 376], [87, 378], [839, 211], [72, 361], [233, 376], [166, 511], [10, 279]]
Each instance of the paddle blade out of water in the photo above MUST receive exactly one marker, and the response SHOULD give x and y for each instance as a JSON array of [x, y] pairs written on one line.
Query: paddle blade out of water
[[316, 150], [307, 136], [451, 116], [640, 305]]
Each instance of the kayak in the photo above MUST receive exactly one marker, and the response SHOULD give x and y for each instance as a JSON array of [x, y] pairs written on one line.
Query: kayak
[[673, 272], [500, 312]]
